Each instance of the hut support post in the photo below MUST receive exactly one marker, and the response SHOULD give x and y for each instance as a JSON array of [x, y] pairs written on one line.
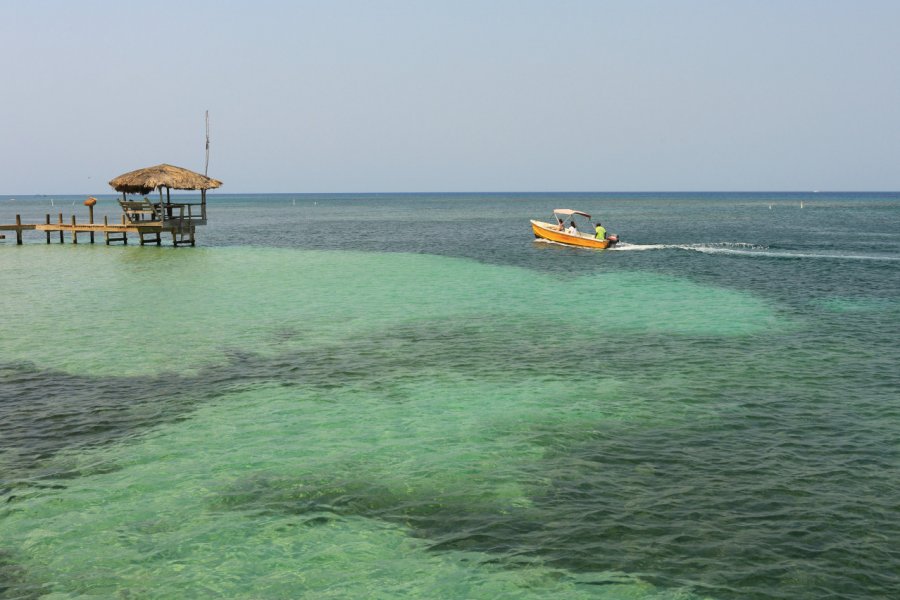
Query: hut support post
[[62, 240], [203, 204], [47, 221], [74, 232]]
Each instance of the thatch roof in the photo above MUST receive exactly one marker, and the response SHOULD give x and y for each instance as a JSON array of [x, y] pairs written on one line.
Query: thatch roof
[[144, 181]]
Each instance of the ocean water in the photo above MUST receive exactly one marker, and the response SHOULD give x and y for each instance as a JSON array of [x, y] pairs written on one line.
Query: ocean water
[[407, 396]]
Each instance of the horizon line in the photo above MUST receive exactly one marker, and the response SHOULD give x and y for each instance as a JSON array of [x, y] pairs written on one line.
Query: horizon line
[[433, 192]]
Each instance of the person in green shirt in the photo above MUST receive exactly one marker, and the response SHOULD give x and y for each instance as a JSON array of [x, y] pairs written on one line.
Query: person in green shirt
[[601, 231]]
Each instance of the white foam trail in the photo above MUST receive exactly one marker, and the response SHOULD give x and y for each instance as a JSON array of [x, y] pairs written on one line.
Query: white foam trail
[[720, 247], [831, 256], [632, 247], [744, 249]]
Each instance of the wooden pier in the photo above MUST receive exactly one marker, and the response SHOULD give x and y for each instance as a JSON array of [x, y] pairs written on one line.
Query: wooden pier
[[149, 221], [145, 233]]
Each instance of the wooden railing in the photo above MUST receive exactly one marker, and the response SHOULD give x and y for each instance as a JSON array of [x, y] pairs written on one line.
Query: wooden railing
[[185, 212]]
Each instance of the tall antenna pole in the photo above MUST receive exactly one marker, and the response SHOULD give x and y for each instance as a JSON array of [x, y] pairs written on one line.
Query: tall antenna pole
[[206, 168]]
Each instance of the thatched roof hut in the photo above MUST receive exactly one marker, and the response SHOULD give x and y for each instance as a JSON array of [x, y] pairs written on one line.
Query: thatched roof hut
[[144, 181]]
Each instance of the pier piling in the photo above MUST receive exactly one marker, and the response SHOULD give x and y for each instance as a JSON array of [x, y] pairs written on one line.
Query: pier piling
[[91, 219]]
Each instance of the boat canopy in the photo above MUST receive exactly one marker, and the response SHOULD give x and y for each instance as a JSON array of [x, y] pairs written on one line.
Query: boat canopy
[[569, 211]]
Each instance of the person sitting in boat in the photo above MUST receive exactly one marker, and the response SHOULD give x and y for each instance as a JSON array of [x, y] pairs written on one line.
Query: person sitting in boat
[[571, 229], [601, 231], [560, 225]]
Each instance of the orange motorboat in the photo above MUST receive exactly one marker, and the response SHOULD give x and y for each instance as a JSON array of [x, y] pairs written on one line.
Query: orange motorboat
[[556, 232]]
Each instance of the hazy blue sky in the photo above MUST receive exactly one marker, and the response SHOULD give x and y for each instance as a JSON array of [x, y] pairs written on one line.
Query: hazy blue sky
[[491, 95]]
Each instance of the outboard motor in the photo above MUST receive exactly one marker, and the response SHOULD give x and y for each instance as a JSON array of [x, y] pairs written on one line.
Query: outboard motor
[[613, 239]]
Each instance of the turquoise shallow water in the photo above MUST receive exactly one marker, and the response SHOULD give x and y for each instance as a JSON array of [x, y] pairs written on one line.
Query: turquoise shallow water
[[405, 396]]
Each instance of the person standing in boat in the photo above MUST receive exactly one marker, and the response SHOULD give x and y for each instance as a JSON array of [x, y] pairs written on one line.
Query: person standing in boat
[[601, 231]]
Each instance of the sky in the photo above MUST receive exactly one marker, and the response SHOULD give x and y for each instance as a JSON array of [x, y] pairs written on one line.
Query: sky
[[452, 96]]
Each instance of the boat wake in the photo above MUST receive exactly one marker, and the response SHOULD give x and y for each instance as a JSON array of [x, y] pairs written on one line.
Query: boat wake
[[744, 249], [717, 248]]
